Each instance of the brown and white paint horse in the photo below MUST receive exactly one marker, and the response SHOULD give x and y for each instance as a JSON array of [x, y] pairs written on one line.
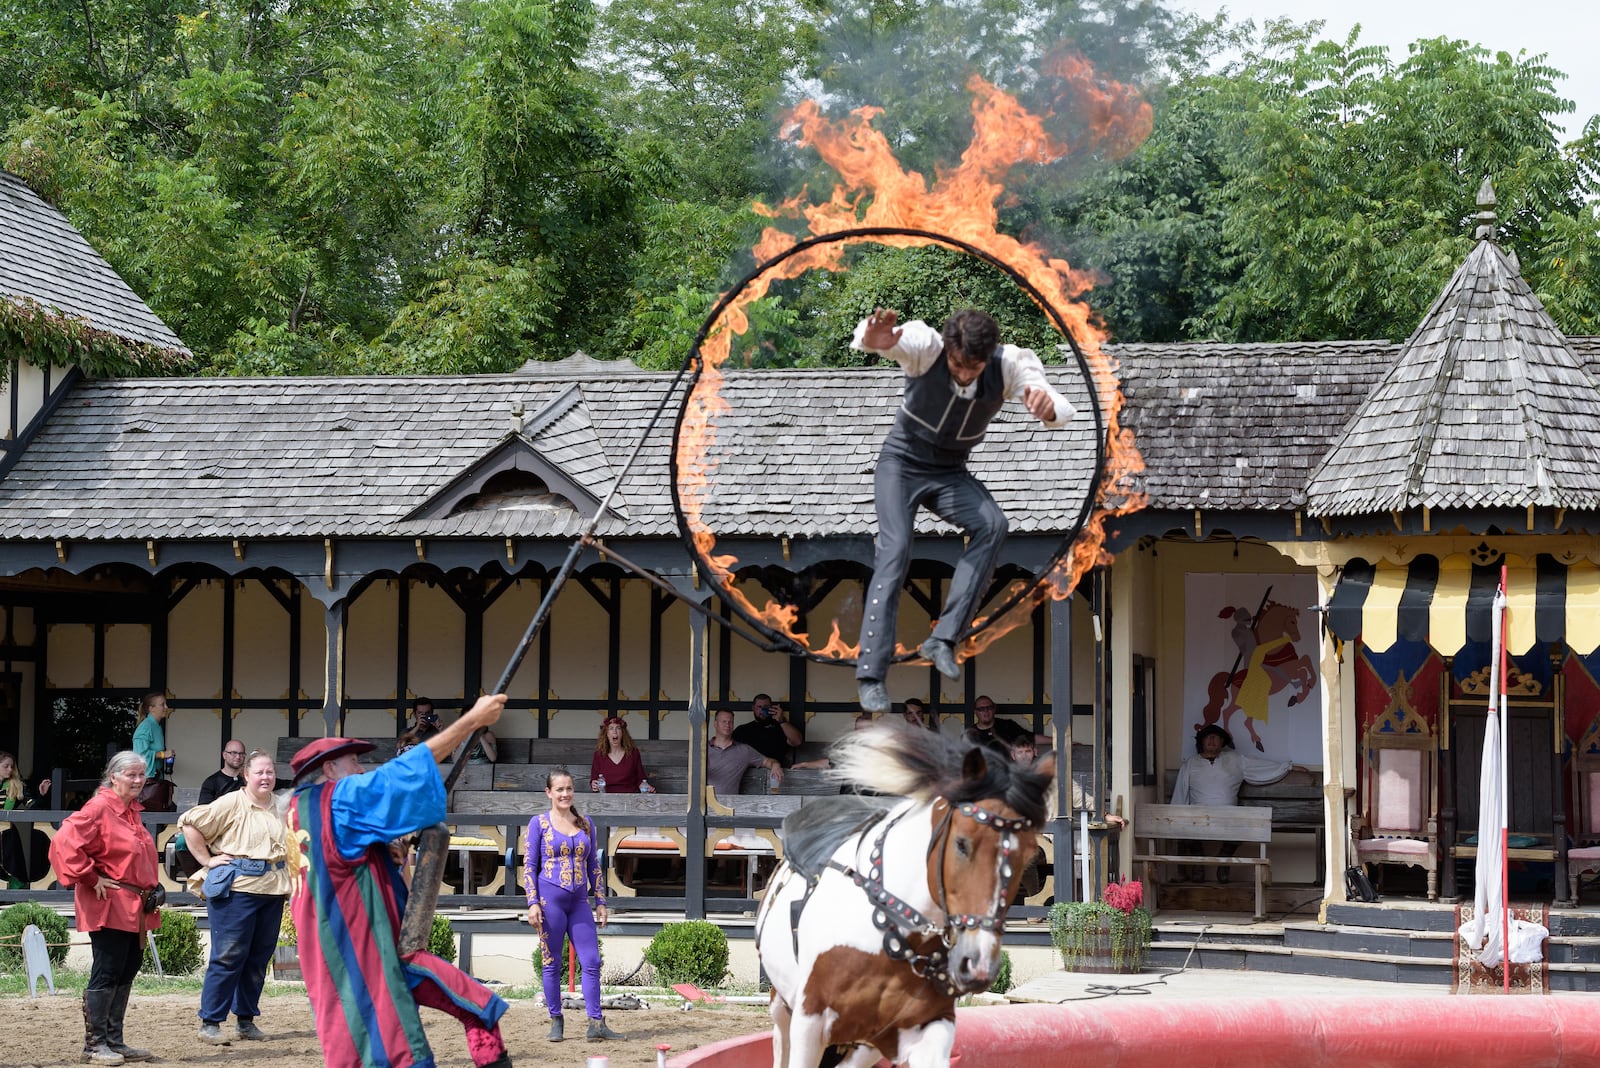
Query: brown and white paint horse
[[885, 911]]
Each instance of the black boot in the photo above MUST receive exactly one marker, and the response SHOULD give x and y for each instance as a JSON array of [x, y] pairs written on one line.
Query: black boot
[[598, 1030], [557, 1025], [119, 1009], [96, 1008]]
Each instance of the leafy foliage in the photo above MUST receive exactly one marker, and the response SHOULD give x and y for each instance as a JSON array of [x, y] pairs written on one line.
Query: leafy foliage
[[43, 337], [1002, 974], [693, 951], [178, 942], [1351, 199], [442, 940], [566, 961], [51, 924], [464, 185]]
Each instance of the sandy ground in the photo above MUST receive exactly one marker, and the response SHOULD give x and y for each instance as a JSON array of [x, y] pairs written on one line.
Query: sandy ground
[[49, 1031]]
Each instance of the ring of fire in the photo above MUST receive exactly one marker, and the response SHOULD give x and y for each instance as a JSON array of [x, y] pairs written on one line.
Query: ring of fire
[[697, 535]]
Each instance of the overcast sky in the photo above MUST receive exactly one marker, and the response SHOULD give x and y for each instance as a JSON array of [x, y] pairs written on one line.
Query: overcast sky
[[1568, 31]]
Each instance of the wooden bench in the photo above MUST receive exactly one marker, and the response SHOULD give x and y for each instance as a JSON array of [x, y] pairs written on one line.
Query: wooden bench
[[1155, 824], [1296, 804]]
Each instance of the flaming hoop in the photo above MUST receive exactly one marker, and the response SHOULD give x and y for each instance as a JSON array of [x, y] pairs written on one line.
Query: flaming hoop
[[699, 539]]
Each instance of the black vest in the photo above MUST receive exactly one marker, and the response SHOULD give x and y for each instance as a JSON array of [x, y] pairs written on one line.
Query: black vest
[[932, 412]]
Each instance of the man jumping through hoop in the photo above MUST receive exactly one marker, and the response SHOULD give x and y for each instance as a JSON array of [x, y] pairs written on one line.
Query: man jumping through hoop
[[956, 383]]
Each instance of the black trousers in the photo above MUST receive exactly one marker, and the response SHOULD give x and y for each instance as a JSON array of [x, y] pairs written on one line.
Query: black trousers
[[901, 485], [117, 956]]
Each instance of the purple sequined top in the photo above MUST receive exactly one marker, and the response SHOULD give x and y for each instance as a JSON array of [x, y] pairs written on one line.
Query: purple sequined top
[[570, 861]]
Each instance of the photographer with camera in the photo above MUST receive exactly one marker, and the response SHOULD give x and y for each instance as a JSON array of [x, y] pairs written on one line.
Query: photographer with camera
[[104, 853], [769, 733]]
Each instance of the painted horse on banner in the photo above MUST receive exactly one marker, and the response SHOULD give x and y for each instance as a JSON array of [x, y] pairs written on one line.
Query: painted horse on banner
[[1268, 662], [887, 909]]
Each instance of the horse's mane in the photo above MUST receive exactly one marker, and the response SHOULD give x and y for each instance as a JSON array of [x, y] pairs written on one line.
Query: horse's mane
[[813, 833], [924, 765]]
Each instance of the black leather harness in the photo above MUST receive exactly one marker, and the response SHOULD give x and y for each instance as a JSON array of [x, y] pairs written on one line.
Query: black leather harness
[[900, 921]]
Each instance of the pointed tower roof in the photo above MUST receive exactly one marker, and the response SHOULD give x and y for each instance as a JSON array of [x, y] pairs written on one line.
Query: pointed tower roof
[[1487, 406]]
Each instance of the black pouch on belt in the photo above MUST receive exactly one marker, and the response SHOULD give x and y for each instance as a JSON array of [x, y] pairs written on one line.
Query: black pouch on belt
[[153, 898]]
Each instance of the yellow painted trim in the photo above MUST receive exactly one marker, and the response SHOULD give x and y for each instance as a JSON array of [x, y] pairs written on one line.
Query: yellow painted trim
[[1521, 590], [1447, 615], [1380, 616], [1583, 607]]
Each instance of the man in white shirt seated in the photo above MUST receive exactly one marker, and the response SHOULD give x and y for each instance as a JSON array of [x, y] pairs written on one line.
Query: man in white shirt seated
[[1213, 775]]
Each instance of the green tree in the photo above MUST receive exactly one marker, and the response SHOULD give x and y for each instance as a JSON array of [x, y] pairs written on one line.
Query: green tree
[[1350, 196]]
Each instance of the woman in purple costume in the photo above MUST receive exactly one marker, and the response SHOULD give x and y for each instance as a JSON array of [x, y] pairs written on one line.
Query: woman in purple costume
[[563, 869]]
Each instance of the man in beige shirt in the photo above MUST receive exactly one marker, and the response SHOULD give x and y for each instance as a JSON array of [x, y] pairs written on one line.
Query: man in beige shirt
[[240, 841]]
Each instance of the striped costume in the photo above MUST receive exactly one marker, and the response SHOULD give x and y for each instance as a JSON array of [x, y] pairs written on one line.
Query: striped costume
[[347, 907]]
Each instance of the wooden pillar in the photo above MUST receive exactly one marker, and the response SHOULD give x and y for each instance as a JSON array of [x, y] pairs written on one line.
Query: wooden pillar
[[1062, 826], [1101, 577], [1338, 743], [1122, 756], [694, 891], [333, 619]]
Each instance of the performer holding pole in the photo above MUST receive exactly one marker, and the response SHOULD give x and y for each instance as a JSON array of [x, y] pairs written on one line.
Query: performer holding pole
[[348, 901], [956, 383]]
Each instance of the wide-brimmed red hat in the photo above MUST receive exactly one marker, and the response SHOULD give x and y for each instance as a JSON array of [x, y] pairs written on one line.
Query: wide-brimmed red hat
[[319, 752]]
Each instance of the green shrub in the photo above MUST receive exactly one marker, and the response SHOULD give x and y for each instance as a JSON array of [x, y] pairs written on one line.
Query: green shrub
[[693, 951], [50, 923], [1002, 974], [178, 941], [566, 960], [441, 940]]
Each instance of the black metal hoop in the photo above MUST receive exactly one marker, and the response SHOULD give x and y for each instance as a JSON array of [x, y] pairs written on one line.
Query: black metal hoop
[[868, 233]]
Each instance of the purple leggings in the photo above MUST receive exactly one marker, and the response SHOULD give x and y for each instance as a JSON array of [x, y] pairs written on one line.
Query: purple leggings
[[566, 915]]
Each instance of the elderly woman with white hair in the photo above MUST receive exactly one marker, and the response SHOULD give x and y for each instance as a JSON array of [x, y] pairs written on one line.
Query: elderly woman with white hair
[[104, 853]]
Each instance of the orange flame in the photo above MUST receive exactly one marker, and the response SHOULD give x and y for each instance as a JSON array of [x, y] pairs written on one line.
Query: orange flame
[[875, 191]]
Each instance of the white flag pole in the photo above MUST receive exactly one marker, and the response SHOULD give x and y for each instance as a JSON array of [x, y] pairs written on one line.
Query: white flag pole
[[1505, 792]]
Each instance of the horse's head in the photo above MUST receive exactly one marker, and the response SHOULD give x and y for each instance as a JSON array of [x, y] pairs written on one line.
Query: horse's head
[[984, 832], [1278, 620]]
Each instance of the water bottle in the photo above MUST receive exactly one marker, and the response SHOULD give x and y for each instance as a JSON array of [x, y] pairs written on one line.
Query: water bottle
[[644, 787], [599, 784]]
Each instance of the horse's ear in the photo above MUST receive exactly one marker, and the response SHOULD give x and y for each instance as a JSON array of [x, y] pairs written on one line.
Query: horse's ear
[[1046, 766], [974, 766]]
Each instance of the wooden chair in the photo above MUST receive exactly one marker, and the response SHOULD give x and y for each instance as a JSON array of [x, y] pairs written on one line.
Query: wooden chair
[[1398, 821], [1584, 854]]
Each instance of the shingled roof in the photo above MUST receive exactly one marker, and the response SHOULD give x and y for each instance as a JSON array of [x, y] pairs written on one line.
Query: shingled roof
[[44, 259], [1222, 428], [347, 457], [1486, 406], [1240, 427]]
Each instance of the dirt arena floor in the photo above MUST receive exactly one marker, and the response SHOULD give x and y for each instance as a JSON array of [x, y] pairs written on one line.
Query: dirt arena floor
[[49, 1031]]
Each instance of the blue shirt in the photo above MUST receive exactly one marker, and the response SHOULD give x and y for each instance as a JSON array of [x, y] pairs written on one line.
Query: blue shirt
[[402, 796]]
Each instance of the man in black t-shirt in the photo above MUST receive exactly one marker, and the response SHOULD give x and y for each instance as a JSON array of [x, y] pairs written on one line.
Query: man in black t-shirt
[[998, 734], [226, 779], [770, 733]]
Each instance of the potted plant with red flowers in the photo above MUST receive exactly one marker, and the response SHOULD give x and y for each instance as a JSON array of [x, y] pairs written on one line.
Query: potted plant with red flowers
[[1110, 935]]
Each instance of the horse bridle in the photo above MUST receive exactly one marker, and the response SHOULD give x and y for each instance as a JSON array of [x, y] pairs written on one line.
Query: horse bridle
[[899, 920]]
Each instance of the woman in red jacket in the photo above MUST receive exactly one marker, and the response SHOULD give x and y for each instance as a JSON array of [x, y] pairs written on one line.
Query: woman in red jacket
[[104, 853]]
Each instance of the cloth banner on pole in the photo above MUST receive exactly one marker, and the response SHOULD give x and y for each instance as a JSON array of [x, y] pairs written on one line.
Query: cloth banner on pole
[[1486, 932]]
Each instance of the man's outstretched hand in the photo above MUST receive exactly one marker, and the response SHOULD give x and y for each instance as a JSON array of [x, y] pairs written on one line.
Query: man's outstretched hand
[[1039, 404], [883, 330]]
